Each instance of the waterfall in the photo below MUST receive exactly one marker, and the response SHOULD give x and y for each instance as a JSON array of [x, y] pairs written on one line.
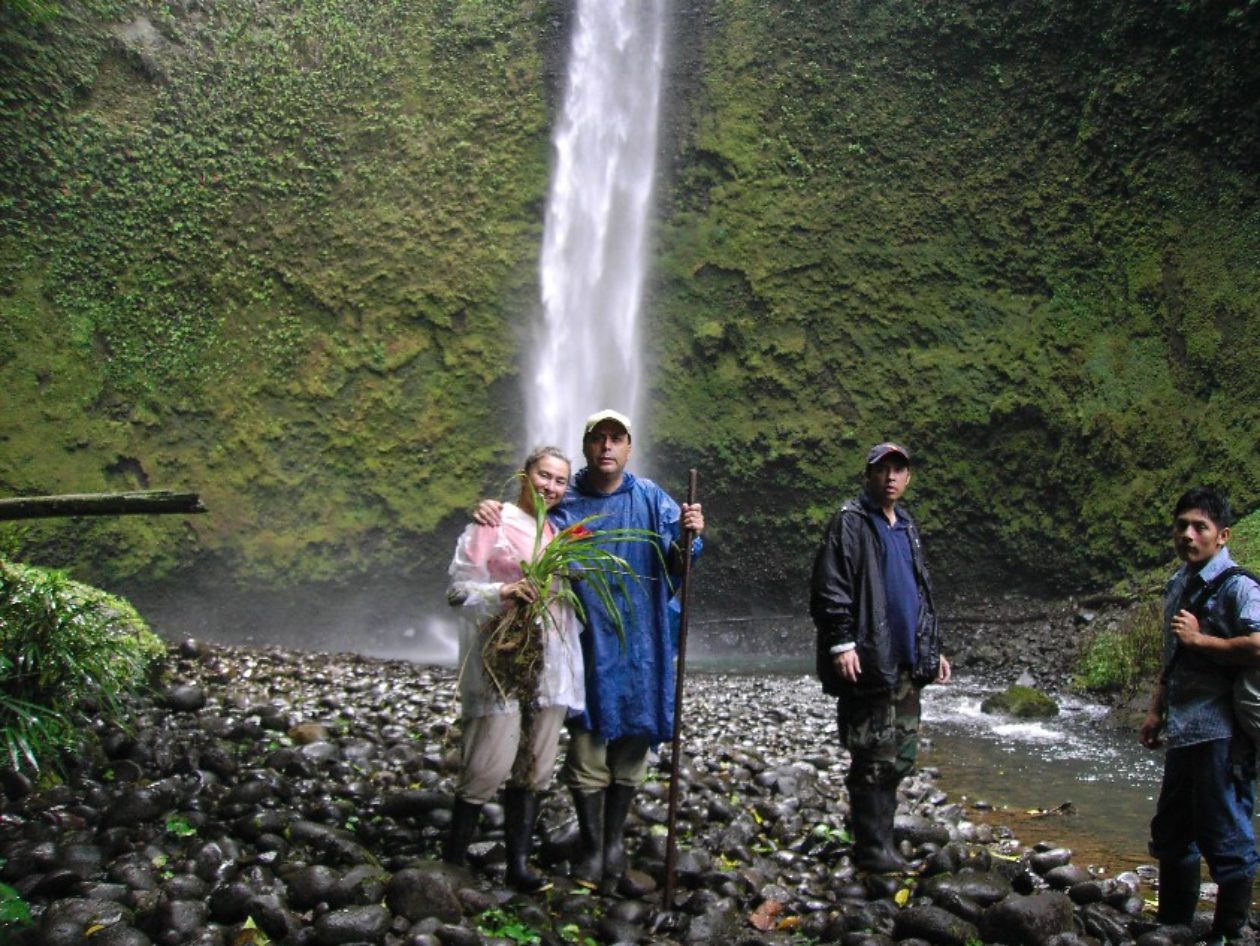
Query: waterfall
[[595, 234]]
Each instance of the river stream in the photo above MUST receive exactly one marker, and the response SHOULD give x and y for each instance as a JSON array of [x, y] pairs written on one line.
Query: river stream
[[1068, 779], [1072, 779]]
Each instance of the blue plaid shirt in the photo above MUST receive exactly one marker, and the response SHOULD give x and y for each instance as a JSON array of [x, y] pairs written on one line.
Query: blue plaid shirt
[[1200, 689]]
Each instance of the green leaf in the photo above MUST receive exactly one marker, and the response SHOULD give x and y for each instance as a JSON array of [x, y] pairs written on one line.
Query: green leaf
[[178, 825], [14, 911]]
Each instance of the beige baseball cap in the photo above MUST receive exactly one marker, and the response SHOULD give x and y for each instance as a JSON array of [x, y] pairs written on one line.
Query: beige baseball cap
[[607, 414]]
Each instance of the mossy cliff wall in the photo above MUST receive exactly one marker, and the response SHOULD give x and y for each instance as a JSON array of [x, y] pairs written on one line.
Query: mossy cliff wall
[[1023, 238], [281, 254], [285, 255]]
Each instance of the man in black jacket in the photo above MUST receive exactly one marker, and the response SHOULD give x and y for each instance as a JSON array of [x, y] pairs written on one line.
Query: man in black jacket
[[879, 644]]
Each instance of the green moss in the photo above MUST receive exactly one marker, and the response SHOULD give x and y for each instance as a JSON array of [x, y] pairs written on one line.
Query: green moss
[[1061, 347], [1021, 702], [285, 256], [1244, 542], [266, 254]]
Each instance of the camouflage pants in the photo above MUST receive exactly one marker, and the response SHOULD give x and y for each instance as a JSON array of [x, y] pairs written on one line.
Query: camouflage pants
[[881, 731]]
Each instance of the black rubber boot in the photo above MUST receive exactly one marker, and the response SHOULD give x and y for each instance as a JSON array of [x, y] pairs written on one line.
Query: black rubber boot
[[871, 810], [520, 814], [1178, 892], [617, 801], [1233, 907], [588, 867], [463, 829]]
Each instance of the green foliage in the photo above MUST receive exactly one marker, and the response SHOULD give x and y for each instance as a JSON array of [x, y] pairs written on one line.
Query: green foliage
[[888, 230], [500, 922], [252, 934], [513, 641], [64, 647], [1129, 656], [572, 933], [15, 913], [1120, 659], [579, 552], [1244, 541], [827, 832], [178, 825], [31, 10]]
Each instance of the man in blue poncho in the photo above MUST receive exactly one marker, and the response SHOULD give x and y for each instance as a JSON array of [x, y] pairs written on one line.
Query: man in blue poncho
[[630, 685], [630, 688]]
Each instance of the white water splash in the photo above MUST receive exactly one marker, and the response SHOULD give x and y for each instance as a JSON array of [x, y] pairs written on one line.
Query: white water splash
[[595, 238]]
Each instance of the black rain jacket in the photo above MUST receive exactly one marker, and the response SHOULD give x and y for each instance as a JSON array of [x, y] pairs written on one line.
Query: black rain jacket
[[847, 602]]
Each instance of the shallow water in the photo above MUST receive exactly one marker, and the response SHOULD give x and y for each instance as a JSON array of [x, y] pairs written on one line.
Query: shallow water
[[1021, 771], [1026, 770]]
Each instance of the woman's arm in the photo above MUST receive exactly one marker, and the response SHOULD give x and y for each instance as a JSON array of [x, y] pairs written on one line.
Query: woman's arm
[[471, 585]]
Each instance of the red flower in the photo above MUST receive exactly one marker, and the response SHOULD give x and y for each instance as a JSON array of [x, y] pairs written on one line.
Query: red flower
[[579, 531]]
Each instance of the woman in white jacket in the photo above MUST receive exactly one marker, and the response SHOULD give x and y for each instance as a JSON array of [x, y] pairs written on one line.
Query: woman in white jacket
[[486, 579]]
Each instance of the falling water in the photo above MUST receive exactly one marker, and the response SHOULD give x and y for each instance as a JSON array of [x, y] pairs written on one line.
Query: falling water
[[595, 237]]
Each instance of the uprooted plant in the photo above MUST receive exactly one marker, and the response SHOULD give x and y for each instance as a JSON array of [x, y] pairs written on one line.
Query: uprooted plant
[[512, 642]]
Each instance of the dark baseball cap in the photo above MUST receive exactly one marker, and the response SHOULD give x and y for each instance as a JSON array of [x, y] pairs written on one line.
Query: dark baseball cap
[[881, 450]]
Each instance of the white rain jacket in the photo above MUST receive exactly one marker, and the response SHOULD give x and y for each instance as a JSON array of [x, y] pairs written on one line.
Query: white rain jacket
[[486, 558]]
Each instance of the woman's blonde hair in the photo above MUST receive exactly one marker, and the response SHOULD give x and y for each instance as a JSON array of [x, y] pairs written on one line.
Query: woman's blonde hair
[[539, 452]]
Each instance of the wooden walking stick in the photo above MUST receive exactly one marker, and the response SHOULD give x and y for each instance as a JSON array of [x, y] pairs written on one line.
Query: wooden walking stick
[[671, 843]]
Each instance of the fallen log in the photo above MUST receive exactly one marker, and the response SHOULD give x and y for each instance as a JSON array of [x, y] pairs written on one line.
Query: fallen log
[[145, 502]]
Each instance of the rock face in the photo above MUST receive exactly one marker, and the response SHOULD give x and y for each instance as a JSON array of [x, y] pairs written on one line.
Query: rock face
[[339, 846], [1018, 217]]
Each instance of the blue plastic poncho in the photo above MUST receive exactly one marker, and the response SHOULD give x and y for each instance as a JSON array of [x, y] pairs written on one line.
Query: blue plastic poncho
[[630, 690]]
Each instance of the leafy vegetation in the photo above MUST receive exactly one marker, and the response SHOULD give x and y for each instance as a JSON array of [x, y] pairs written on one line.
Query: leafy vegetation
[[179, 826], [1244, 542], [501, 923], [269, 254], [15, 914], [67, 652], [30, 9], [1122, 659], [513, 641], [981, 232]]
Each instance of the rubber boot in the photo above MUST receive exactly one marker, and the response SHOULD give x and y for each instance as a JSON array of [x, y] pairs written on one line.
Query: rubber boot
[[463, 829], [1233, 906], [617, 800], [520, 815], [871, 823], [1178, 892], [588, 867], [890, 823]]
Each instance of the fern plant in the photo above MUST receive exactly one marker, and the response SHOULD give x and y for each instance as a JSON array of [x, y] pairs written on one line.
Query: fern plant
[[65, 648]]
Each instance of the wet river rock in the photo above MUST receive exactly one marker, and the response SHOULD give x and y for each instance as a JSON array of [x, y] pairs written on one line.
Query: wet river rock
[[273, 796]]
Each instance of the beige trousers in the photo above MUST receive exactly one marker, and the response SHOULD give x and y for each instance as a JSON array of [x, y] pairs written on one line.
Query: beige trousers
[[491, 744]]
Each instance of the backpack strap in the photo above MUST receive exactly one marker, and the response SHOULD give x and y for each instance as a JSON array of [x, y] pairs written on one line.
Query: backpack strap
[[1196, 607], [1215, 585]]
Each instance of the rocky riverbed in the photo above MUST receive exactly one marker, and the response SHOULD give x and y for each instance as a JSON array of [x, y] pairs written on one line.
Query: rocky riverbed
[[285, 797]]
